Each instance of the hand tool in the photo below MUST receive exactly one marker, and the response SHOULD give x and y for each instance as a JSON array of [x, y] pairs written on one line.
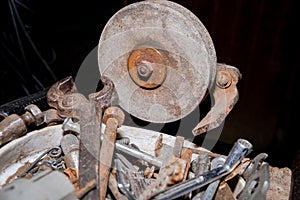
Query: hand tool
[[257, 179]]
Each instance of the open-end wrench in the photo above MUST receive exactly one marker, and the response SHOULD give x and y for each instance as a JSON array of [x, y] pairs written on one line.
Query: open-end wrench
[[238, 152], [257, 179]]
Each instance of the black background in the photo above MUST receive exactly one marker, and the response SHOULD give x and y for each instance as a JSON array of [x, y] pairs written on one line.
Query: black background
[[260, 37]]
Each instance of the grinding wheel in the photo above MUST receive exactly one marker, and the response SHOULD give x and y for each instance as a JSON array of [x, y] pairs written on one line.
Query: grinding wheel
[[160, 58]]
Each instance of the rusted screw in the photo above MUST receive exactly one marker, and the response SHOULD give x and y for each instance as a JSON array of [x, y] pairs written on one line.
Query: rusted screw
[[223, 80], [113, 118]]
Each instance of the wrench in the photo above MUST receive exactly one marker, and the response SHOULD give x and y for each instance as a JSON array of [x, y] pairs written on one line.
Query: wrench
[[257, 179]]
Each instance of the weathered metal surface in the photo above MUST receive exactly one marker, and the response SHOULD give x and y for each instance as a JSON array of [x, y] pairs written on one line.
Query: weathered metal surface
[[11, 127], [107, 96], [148, 67], [26, 149], [64, 98], [178, 146], [89, 148], [59, 90], [189, 61], [113, 118], [186, 155], [225, 95], [15, 126]]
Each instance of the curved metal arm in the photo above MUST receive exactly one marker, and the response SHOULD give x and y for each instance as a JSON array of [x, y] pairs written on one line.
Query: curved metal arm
[[225, 95]]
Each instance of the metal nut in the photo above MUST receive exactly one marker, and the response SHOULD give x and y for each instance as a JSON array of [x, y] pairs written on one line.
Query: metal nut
[[36, 113]]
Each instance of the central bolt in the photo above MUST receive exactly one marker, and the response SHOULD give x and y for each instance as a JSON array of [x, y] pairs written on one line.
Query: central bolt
[[223, 80], [147, 67], [145, 70]]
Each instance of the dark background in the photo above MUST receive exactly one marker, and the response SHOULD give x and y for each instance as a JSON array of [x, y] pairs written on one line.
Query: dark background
[[260, 37]]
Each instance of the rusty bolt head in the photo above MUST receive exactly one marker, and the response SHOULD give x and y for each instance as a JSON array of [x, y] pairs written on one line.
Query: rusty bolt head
[[114, 112], [223, 79], [36, 113], [147, 67], [144, 70]]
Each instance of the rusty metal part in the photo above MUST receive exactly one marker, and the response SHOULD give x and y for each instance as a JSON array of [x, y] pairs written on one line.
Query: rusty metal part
[[224, 192], [60, 89], [86, 189], [69, 104], [51, 117], [89, 147], [72, 174], [148, 172], [168, 176], [15, 126], [225, 96], [116, 113], [178, 146], [113, 118], [158, 145], [148, 67], [11, 127], [33, 114], [107, 96], [187, 156], [168, 153], [151, 36], [64, 98]]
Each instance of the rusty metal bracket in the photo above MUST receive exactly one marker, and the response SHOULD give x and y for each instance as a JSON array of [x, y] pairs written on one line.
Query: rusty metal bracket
[[225, 96]]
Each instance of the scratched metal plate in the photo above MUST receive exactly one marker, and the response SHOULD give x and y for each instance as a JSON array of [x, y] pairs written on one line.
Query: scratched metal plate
[[172, 28]]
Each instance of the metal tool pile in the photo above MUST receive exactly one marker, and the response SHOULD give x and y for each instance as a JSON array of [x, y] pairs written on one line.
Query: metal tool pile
[[157, 62], [101, 165]]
